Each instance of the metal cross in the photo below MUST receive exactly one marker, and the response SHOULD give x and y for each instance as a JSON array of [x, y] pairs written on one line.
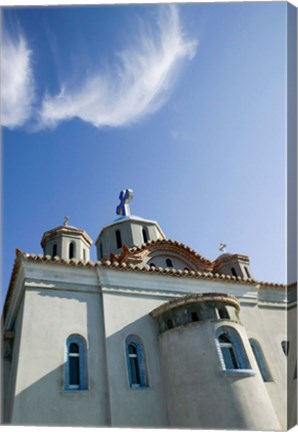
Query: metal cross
[[125, 197], [222, 247]]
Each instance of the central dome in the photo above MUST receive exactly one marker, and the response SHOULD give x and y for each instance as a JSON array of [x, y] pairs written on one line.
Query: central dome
[[126, 230]]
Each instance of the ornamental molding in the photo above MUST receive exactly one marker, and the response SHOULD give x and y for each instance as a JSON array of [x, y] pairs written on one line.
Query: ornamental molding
[[17, 277], [138, 254], [65, 230]]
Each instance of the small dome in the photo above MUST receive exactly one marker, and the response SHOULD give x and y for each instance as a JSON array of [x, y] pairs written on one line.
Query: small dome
[[126, 230], [64, 229], [224, 255], [67, 242]]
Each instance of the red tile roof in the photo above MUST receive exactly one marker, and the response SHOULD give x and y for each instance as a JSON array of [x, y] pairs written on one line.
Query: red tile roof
[[129, 267]]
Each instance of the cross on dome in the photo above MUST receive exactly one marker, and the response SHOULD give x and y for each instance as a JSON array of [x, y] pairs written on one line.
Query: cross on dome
[[125, 197], [222, 247]]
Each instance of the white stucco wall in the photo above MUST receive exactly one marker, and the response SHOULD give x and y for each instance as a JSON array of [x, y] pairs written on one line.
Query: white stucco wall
[[199, 395], [50, 315], [128, 315], [105, 306]]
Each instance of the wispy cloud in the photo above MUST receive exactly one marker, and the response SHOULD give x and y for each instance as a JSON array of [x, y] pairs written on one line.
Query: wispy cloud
[[137, 86], [17, 83]]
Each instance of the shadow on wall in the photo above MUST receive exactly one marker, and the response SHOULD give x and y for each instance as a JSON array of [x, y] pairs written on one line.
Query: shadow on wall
[[142, 404], [46, 403], [110, 394]]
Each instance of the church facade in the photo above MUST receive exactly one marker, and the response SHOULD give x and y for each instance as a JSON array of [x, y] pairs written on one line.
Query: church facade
[[152, 334]]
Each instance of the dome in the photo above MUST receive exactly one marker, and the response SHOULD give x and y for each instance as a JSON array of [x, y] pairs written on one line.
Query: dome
[[67, 242], [126, 230], [224, 255]]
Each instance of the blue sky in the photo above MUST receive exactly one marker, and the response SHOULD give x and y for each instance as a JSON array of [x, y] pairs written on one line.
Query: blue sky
[[186, 105]]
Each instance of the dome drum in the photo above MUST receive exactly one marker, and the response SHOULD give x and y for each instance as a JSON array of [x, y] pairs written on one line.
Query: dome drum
[[67, 242], [196, 308], [130, 231]]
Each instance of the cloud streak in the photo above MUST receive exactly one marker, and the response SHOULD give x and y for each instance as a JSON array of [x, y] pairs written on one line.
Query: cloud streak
[[17, 82], [138, 85]]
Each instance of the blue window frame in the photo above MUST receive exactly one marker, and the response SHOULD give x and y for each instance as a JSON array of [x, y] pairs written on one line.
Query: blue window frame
[[260, 359], [136, 363], [228, 352], [76, 363], [232, 355]]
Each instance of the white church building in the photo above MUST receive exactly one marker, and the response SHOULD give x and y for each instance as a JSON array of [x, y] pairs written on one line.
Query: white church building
[[150, 335]]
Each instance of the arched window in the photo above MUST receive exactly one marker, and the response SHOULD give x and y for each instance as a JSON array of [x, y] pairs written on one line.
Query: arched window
[[72, 250], [152, 265], [194, 317], [54, 250], [100, 250], [118, 239], [228, 352], [169, 262], [145, 235], [136, 364], [75, 367], [234, 273], [231, 350], [247, 272], [260, 359], [223, 313], [170, 324]]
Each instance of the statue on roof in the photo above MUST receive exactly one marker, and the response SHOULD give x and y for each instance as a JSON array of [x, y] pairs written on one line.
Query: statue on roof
[[66, 218], [125, 197]]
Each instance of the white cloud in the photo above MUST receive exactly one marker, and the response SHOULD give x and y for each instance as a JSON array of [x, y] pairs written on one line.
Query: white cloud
[[17, 84], [138, 85]]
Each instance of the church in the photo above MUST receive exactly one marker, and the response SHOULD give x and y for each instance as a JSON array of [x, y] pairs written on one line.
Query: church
[[150, 335]]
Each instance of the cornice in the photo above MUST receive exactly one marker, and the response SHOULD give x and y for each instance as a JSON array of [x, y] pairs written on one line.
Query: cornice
[[124, 267], [161, 245], [195, 298], [65, 229]]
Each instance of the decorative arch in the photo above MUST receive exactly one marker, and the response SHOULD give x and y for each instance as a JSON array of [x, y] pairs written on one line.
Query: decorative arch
[[231, 352], [160, 250]]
